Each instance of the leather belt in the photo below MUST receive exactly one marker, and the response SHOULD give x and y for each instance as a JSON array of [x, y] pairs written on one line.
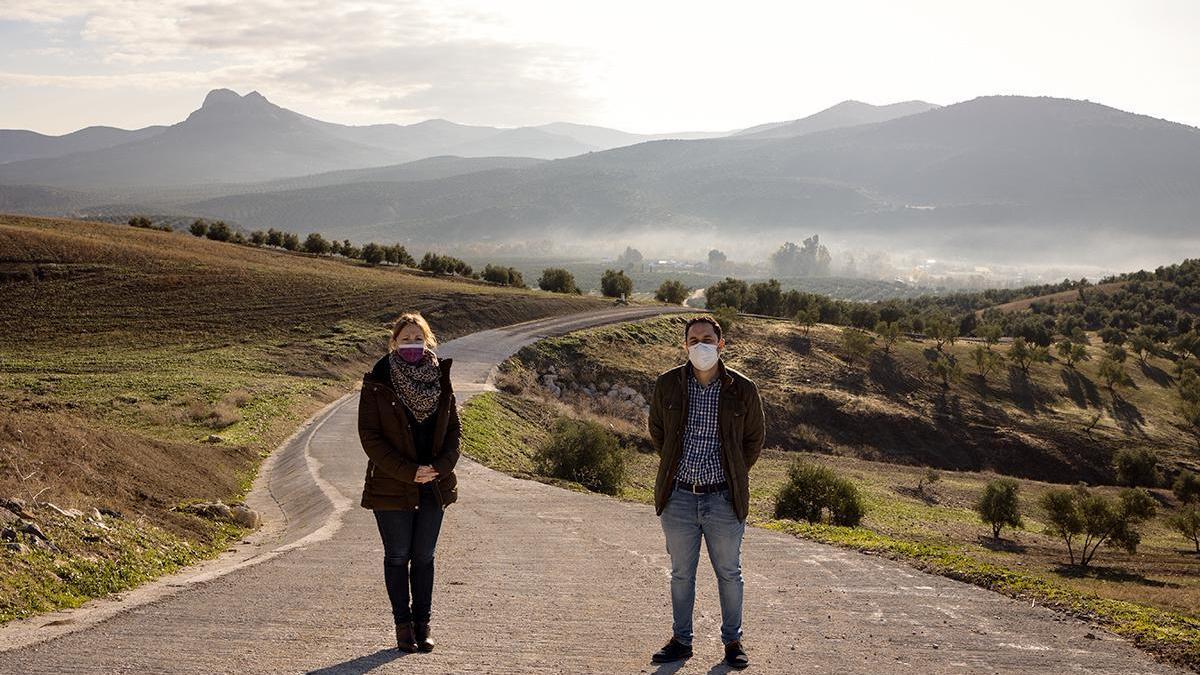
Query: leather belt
[[698, 489]]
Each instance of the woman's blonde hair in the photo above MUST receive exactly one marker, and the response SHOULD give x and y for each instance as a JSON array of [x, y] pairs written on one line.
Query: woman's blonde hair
[[412, 319]]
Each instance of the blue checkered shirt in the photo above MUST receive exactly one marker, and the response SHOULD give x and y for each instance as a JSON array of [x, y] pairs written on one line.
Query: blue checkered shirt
[[701, 460]]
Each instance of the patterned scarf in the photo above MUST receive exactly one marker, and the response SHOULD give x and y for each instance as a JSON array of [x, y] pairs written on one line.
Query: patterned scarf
[[418, 384]]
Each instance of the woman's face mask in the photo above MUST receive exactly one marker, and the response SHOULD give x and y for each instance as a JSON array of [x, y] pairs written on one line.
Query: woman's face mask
[[411, 352]]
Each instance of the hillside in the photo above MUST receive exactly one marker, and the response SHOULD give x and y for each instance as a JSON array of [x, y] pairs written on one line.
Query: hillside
[[19, 144], [844, 114], [142, 370], [975, 177]]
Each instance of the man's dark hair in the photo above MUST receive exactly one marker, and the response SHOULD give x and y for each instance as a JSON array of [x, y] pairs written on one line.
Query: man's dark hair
[[702, 319]]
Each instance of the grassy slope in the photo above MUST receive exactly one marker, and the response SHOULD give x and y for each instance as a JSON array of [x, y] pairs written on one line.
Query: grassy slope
[[122, 350], [1151, 596]]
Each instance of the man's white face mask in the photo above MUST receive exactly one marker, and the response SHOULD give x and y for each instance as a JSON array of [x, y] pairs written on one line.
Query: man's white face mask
[[703, 355]]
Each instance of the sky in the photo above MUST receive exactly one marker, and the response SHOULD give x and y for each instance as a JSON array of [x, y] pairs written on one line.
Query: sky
[[646, 66]]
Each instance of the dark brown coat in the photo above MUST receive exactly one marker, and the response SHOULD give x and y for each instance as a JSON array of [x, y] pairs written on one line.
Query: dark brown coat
[[387, 439], [742, 428]]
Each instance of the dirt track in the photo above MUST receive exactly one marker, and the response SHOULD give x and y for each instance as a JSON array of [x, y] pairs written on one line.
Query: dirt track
[[532, 578]]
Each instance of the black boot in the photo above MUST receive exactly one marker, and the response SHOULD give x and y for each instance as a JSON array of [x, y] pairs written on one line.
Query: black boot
[[735, 656], [405, 641], [674, 651], [424, 641]]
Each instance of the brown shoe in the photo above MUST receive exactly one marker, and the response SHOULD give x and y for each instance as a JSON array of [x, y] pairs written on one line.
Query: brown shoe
[[424, 641], [405, 640]]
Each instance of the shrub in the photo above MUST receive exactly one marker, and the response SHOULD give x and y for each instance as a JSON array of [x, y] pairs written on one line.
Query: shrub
[[558, 280], [812, 490], [1187, 523], [219, 231], [1136, 468], [890, 332], [726, 317], [274, 237], [999, 506], [140, 221], [1079, 515], [258, 237], [291, 241], [672, 291], [614, 284], [1187, 487], [584, 452], [198, 228], [857, 343], [1112, 371]]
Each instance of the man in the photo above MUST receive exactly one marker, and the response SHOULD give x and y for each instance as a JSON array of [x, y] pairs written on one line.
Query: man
[[706, 422]]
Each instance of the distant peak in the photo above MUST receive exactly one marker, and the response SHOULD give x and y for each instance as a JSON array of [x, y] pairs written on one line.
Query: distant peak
[[254, 96], [219, 96]]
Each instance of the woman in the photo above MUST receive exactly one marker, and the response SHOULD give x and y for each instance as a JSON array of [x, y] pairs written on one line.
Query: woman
[[409, 428]]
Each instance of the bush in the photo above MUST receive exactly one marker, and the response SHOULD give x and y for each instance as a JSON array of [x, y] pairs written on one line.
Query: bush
[[726, 317], [274, 237], [1187, 487], [1187, 523], [1136, 468], [1081, 514], [291, 241], [812, 490], [672, 291], [219, 231], [584, 452], [317, 244], [728, 293], [198, 228], [140, 221], [258, 238], [557, 280], [998, 505], [857, 343], [614, 284]]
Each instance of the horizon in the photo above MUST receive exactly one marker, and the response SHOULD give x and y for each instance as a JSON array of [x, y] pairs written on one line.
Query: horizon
[[67, 67]]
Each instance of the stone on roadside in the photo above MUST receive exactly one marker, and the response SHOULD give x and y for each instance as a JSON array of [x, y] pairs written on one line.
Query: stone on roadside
[[245, 516], [65, 513]]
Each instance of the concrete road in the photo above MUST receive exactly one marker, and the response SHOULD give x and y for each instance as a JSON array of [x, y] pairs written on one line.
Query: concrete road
[[534, 579]]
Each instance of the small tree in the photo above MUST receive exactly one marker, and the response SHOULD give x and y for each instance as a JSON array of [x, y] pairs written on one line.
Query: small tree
[[1023, 355], [807, 318], [317, 244], [1112, 372], [349, 250], [990, 333], [1187, 487], [889, 331], [614, 284], [1142, 345], [198, 228], [1187, 523], [219, 231], [812, 490], [672, 291], [942, 331], [140, 221], [274, 238], [1072, 352], [258, 238], [857, 344], [985, 360], [946, 368], [557, 280], [398, 255], [999, 505], [1083, 518], [373, 253], [291, 241], [1136, 467], [726, 318]]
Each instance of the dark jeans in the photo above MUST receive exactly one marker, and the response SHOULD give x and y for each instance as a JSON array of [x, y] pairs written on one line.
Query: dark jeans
[[409, 538]]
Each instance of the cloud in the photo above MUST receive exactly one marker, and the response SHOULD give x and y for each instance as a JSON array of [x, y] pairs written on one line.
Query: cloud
[[398, 57]]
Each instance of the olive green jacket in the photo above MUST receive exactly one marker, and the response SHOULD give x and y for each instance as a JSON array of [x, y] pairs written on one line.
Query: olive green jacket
[[740, 420]]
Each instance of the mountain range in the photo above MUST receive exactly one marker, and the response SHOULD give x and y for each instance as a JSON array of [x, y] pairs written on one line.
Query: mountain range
[[997, 178]]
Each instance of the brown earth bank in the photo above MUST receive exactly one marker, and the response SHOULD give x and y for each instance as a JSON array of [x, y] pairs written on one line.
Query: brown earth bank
[[141, 371], [1055, 423]]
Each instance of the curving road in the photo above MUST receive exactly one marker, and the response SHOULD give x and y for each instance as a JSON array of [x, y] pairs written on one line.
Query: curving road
[[533, 579]]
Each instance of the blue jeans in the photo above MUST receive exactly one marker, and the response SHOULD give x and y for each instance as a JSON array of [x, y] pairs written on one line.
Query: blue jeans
[[409, 538], [685, 519]]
